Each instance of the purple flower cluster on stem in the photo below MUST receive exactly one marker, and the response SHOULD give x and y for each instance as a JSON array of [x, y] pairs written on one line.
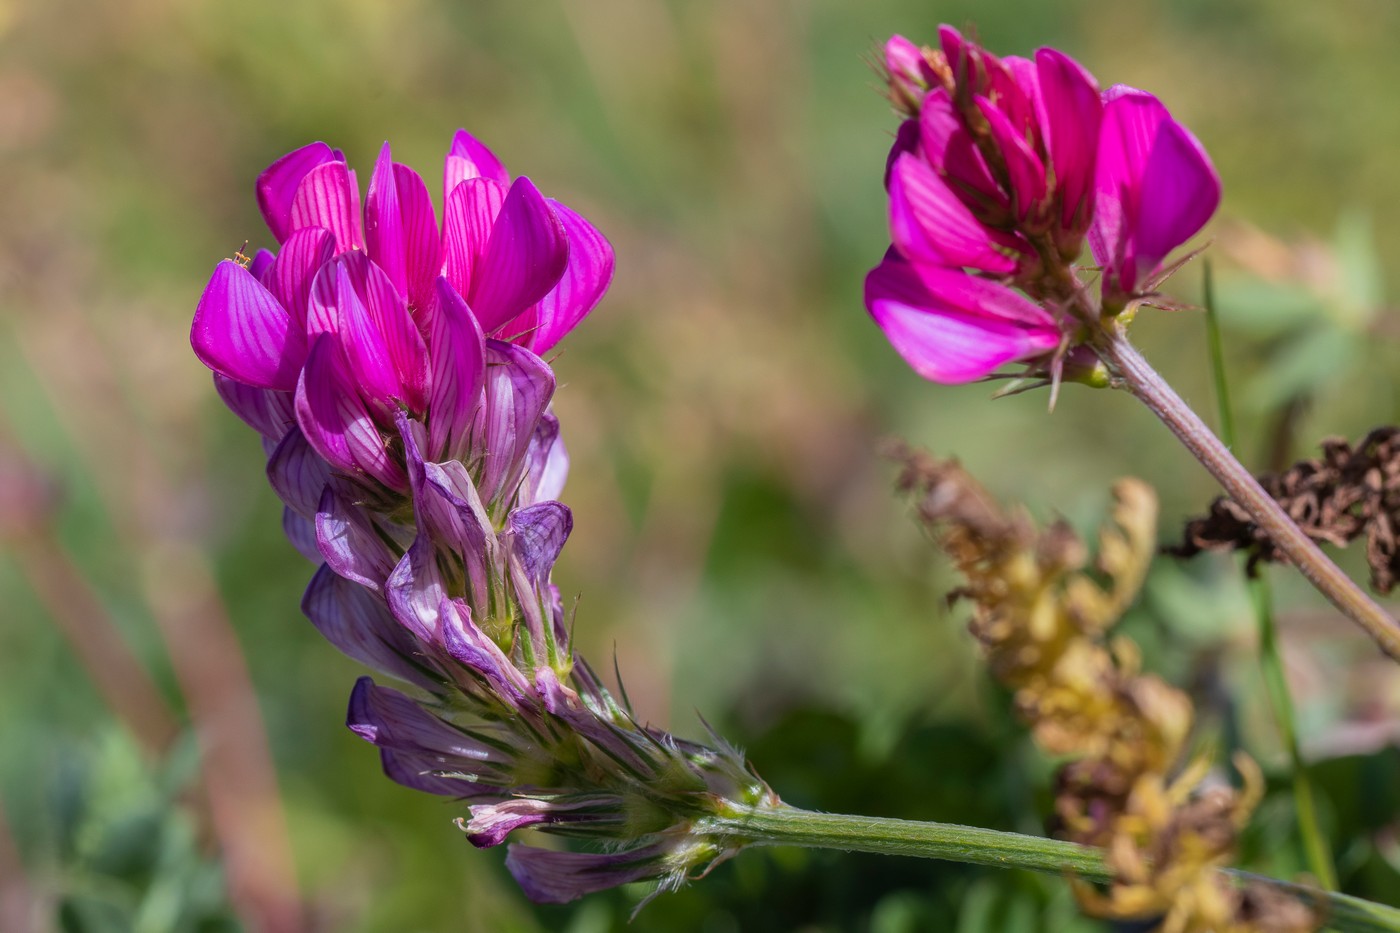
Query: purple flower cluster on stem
[[391, 365], [1000, 171]]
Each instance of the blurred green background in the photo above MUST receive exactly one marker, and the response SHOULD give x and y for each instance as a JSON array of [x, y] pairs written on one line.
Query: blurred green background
[[736, 545]]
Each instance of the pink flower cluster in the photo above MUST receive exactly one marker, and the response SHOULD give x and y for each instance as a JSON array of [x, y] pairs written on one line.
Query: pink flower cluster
[[1001, 170]]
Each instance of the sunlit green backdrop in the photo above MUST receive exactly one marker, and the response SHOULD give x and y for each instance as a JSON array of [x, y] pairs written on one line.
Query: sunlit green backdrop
[[736, 545]]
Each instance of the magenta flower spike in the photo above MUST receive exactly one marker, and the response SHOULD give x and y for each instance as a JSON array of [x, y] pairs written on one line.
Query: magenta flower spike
[[392, 370], [1002, 169]]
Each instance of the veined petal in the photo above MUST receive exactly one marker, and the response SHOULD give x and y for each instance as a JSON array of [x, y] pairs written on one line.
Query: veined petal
[[370, 363], [586, 278], [1026, 171], [301, 534], [268, 411], [467, 220], [951, 150], [328, 197], [384, 232], [929, 223], [422, 244], [527, 254], [241, 331], [1180, 192], [549, 876], [415, 590], [546, 464], [458, 370], [294, 270], [262, 261], [405, 348], [952, 327], [349, 542], [298, 474], [518, 388], [470, 646], [335, 421], [536, 534], [468, 157], [1070, 115], [277, 185], [359, 624]]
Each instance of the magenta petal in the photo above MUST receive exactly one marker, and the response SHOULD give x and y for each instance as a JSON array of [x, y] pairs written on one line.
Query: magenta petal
[[458, 369], [468, 157], [401, 341], [277, 185], [358, 623], [370, 365], [422, 244], [328, 197], [525, 258], [1023, 166], [384, 232], [518, 388], [262, 261], [241, 331], [267, 411], [293, 272], [1131, 119], [929, 222], [1070, 114], [298, 474], [586, 278], [1180, 192], [949, 148], [468, 218], [335, 421]]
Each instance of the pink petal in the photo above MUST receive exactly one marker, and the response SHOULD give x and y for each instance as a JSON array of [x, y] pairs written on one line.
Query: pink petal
[[1180, 192], [1131, 119], [422, 245], [384, 234], [277, 185], [953, 153], [335, 421], [1070, 114], [586, 278], [328, 197], [524, 260], [241, 331], [1026, 171], [404, 345], [294, 270], [928, 222], [458, 370], [468, 157], [470, 214]]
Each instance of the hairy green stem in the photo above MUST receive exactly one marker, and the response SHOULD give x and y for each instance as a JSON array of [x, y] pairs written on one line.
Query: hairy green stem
[[1131, 371], [1270, 658], [784, 825]]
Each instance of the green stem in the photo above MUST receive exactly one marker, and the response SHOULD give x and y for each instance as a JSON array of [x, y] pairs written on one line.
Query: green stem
[[1270, 658], [784, 825], [1131, 371]]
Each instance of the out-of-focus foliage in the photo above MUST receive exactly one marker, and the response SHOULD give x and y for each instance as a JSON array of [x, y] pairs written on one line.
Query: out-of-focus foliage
[[736, 544]]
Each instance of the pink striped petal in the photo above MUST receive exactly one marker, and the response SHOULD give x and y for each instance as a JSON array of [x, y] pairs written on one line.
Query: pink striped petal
[[241, 331], [458, 370], [948, 146], [294, 270], [1023, 166], [370, 365], [384, 232], [468, 157], [335, 421], [1180, 192], [422, 244], [1070, 114], [524, 260], [277, 185], [929, 223], [586, 278], [328, 197], [468, 218], [407, 353]]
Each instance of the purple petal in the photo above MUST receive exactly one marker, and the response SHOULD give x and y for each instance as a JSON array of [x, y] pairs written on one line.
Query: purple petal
[[524, 260], [384, 231], [370, 363], [930, 223], [586, 278], [952, 327], [241, 331], [468, 218], [403, 345], [293, 272], [328, 197], [475, 650], [548, 876], [422, 244], [518, 388], [277, 185], [360, 625], [336, 422], [490, 824], [1023, 166], [349, 542], [262, 261], [546, 464], [301, 532], [267, 411], [537, 534], [458, 367], [1180, 192], [1070, 116], [467, 157], [415, 589], [298, 474]]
